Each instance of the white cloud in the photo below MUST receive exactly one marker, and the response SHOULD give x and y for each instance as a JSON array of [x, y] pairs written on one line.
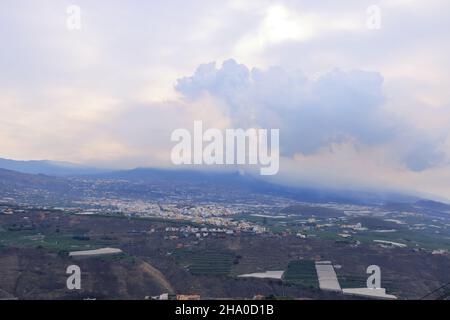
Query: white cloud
[[106, 94]]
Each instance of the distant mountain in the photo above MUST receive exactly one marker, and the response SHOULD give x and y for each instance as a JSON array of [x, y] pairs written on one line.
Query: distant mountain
[[14, 180], [236, 182], [429, 207], [209, 185], [34, 188], [177, 176], [155, 184], [433, 205], [47, 167]]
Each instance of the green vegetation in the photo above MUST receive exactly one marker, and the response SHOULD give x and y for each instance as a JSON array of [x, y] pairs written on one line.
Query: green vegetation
[[168, 222], [309, 211], [411, 238], [123, 257], [54, 242], [373, 223], [206, 262], [302, 272]]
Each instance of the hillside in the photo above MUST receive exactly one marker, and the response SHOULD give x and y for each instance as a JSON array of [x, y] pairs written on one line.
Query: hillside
[[37, 274], [55, 168]]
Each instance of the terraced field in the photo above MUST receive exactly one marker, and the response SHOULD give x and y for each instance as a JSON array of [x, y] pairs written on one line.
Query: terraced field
[[208, 262], [302, 272]]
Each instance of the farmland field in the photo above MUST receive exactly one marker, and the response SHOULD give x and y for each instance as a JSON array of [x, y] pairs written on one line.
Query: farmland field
[[301, 272], [208, 262]]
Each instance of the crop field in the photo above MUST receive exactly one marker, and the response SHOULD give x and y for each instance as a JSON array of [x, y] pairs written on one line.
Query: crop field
[[302, 272], [208, 262], [53, 242], [410, 238]]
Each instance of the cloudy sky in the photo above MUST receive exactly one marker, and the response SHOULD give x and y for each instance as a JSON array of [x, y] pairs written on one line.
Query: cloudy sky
[[356, 106]]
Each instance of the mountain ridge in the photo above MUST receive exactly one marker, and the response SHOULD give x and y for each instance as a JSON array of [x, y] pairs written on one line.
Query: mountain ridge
[[48, 167], [43, 172]]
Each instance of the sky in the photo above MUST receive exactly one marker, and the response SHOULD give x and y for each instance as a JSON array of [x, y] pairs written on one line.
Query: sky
[[359, 104]]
